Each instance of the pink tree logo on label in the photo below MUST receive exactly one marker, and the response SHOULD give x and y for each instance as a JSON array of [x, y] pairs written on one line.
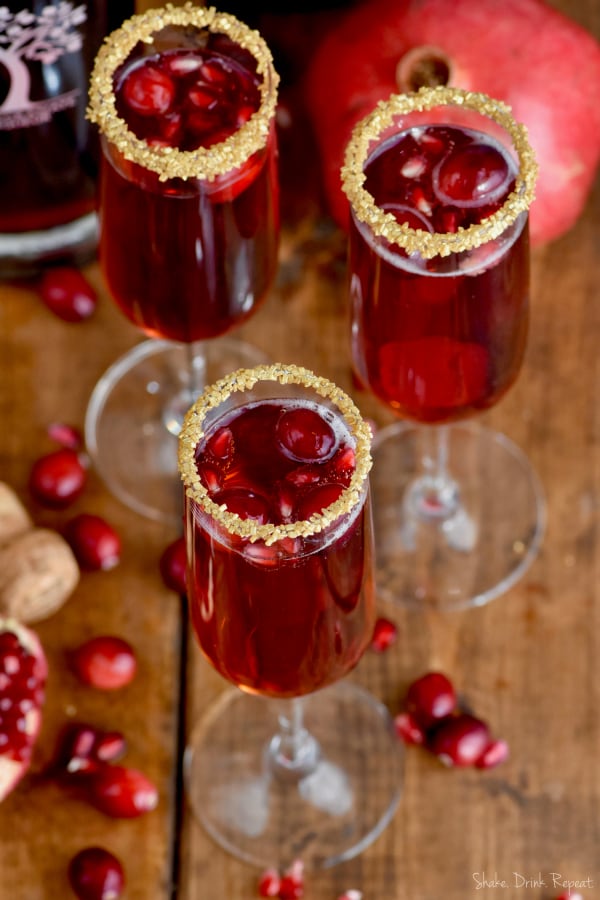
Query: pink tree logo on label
[[43, 38]]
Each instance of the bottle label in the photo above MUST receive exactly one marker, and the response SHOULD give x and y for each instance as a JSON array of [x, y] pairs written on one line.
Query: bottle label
[[24, 38]]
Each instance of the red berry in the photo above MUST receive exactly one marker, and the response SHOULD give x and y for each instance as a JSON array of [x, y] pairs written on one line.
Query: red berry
[[385, 633], [431, 698], [148, 91], [304, 435], [269, 883], [121, 793], [76, 749], [173, 562], [471, 175], [459, 740], [245, 504], [58, 478], [105, 662], [68, 294], [409, 729], [495, 753], [96, 874], [292, 882], [94, 542], [316, 499], [109, 746], [65, 435]]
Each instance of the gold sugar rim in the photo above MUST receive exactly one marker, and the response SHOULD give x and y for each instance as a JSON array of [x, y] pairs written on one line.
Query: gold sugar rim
[[243, 380], [414, 239], [206, 163]]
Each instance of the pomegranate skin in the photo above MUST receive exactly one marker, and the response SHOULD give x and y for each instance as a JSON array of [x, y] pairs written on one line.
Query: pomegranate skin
[[512, 53]]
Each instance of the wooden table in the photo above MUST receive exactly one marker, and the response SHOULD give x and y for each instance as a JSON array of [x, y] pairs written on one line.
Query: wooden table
[[528, 662]]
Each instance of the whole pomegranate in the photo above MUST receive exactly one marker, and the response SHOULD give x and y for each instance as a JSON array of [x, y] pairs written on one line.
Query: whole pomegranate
[[23, 672], [545, 66]]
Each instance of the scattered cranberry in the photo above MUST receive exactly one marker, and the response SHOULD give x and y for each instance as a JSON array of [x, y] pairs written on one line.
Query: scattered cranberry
[[58, 478], [68, 294], [65, 435], [120, 792], [459, 740], [172, 566], [385, 633], [269, 883], [96, 874], [106, 662], [495, 753], [409, 729], [431, 698], [292, 882], [94, 542]]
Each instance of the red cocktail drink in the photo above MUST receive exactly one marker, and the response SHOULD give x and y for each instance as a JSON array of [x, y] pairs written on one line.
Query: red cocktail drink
[[284, 610], [189, 258], [438, 340]]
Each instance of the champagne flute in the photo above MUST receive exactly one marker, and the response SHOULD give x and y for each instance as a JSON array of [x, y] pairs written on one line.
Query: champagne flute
[[185, 100], [440, 183], [297, 763]]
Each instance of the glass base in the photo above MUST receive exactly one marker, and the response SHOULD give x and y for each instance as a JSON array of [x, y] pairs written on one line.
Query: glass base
[[476, 540], [24, 254], [327, 811], [135, 413]]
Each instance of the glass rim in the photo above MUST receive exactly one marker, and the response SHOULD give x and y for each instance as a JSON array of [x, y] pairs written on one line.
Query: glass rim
[[244, 380], [204, 163], [414, 240]]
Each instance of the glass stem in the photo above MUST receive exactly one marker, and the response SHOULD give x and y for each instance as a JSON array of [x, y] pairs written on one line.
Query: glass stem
[[434, 494], [196, 359], [293, 752]]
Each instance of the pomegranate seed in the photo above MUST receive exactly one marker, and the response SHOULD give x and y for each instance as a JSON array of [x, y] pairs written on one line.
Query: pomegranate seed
[[459, 740], [94, 542], [203, 98], [148, 91], [431, 698], [292, 882], [221, 445], [317, 499], [65, 435], [121, 793], [173, 562], [58, 478], [211, 477], [409, 729], [304, 435], [76, 749], [343, 464], [68, 294], [109, 746], [269, 883], [96, 874], [385, 633], [105, 662], [495, 753]]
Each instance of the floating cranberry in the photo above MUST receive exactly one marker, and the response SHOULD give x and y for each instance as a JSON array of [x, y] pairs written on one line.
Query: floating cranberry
[[304, 435], [121, 793], [385, 633], [58, 478], [269, 883], [96, 874], [316, 499], [246, 504], [459, 740], [431, 698], [472, 175], [23, 671], [68, 294], [148, 90], [172, 564], [408, 729], [94, 542], [106, 662]]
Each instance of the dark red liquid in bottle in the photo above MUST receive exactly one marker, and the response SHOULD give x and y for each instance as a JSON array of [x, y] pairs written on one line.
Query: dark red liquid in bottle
[[187, 259], [288, 618], [48, 150], [439, 340]]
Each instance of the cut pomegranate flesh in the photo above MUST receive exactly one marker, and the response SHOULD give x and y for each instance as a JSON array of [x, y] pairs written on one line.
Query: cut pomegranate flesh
[[23, 672], [96, 874], [304, 435]]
